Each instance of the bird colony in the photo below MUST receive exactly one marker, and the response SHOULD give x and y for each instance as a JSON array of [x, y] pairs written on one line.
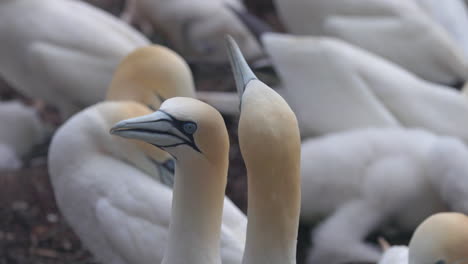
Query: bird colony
[[363, 135]]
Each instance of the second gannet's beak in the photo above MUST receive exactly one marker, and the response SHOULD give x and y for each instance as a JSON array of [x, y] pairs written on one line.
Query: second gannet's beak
[[159, 129], [241, 70]]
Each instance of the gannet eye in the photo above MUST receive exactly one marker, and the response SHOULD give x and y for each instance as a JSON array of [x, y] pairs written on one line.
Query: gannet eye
[[189, 127]]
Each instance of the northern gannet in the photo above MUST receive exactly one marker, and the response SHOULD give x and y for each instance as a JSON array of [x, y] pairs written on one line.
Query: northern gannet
[[194, 133], [441, 238], [108, 189], [334, 86], [270, 145], [21, 129], [358, 180], [196, 29], [398, 30], [62, 51]]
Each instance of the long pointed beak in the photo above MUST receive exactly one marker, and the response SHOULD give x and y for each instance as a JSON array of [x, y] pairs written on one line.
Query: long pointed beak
[[157, 121], [241, 70], [158, 128]]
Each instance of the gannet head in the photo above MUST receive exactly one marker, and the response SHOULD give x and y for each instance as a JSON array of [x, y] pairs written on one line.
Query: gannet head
[[440, 239], [265, 115], [186, 128], [150, 75]]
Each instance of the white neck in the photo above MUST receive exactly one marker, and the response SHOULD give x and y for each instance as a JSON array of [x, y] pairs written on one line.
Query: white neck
[[194, 232], [273, 218]]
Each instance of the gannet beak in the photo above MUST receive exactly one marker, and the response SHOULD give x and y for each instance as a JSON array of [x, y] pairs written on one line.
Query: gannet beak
[[241, 70], [158, 128]]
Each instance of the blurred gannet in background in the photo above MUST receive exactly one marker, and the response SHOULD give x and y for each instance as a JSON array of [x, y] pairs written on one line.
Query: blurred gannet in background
[[109, 191], [150, 75], [362, 179], [395, 255], [334, 86], [396, 29], [21, 129], [270, 145], [452, 15], [194, 133], [442, 238], [62, 51], [196, 29]]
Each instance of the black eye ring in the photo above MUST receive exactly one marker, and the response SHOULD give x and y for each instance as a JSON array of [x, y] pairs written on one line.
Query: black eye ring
[[189, 127]]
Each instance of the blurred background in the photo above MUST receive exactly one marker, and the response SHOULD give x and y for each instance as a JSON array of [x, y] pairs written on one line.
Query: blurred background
[[405, 47]]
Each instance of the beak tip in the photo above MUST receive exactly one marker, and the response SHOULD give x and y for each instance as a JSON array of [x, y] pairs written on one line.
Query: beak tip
[[243, 74], [117, 127]]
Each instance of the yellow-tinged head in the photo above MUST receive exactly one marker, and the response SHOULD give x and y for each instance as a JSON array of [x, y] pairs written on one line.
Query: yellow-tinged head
[[185, 127], [150, 75], [440, 239]]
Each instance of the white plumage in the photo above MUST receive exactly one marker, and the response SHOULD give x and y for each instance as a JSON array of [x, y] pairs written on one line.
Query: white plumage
[[9, 160], [395, 255], [63, 51], [107, 189], [197, 28], [333, 86], [397, 30], [452, 15], [21, 129], [361, 179]]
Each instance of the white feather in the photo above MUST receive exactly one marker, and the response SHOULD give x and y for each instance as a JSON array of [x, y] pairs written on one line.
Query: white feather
[[452, 16], [21, 129], [361, 179], [395, 255], [396, 29], [63, 51], [9, 160], [197, 28], [333, 86]]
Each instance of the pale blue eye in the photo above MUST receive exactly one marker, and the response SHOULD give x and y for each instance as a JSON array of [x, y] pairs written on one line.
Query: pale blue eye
[[190, 127]]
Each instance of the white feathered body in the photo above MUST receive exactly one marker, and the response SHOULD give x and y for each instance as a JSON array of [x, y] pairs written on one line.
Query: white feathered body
[[197, 28], [395, 255], [452, 15], [389, 167], [397, 30], [21, 129], [334, 86], [9, 159], [361, 180], [63, 51], [120, 212]]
